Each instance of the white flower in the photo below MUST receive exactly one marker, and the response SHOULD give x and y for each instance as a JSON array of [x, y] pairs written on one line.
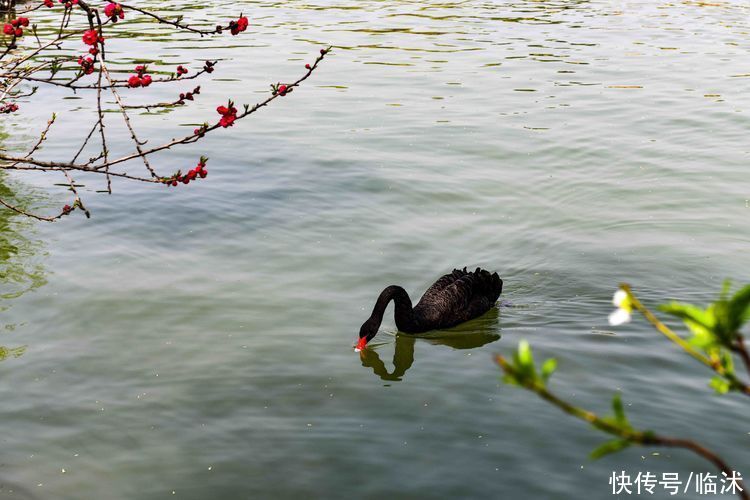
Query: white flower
[[620, 297], [619, 317]]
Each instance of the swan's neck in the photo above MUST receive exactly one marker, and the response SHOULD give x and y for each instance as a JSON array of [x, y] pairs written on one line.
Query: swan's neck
[[404, 314]]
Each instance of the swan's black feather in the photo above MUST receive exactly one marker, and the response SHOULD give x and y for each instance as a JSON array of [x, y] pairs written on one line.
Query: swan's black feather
[[458, 297], [453, 299]]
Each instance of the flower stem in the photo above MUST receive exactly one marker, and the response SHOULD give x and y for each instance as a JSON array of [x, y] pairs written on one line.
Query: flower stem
[[642, 438], [714, 364]]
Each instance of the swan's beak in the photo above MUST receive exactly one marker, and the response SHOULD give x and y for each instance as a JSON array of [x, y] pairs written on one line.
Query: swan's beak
[[361, 344]]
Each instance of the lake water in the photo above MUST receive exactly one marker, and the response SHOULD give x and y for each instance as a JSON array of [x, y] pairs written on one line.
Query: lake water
[[197, 342]]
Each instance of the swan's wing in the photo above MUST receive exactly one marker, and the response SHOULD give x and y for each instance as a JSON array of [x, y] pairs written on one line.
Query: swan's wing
[[437, 288], [465, 296]]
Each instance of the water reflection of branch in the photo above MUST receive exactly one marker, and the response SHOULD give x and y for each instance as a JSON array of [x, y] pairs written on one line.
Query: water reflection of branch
[[19, 273], [15, 352], [16, 250]]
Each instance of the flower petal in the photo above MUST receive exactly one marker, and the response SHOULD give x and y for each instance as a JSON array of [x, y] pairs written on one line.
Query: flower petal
[[620, 297], [619, 317]]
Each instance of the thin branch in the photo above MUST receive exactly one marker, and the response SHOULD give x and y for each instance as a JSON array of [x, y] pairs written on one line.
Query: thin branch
[[626, 433], [33, 64], [741, 349], [185, 140], [177, 23], [29, 214], [125, 117], [113, 84], [42, 136], [714, 364]]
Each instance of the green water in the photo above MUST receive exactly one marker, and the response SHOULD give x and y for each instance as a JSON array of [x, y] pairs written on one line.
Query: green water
[[197, 342]]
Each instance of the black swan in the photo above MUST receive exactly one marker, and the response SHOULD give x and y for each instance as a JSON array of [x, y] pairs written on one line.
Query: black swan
[[453, 299]]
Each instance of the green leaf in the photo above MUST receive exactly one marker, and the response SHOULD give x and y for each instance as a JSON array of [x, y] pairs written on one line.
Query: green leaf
[[609, 447], [619, 411], [702, 323], [525, 357], [720, 385], [726, 286], [548, 368], [524, 361], [689, 312], [726, 361], [739, 308], [723, 328]]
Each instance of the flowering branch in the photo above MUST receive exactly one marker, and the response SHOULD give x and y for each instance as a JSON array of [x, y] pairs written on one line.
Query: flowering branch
[[715, 331], [177, 23], [522, 371], [21, 64]]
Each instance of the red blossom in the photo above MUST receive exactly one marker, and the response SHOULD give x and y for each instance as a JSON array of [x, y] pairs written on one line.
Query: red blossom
[[227, 120], [114, 11], [177, 178], [91, 37], [141, 79], [86, 64], [191, 175], [8, 108], [15, 26], [89, 62], [238, 26], [228, 114]]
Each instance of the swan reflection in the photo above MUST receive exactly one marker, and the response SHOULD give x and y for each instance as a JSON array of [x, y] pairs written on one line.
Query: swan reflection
[[468, 336]]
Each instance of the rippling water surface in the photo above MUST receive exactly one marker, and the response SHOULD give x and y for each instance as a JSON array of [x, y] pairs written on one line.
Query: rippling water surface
[[196, 342]]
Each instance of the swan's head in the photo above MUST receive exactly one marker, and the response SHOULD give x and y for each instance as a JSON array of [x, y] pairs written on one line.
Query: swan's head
[[366, 332]]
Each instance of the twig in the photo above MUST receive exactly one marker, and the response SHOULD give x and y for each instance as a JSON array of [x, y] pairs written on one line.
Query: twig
[[740, 349], [714, 364], [176, 24], [643, 438], [29, 214]]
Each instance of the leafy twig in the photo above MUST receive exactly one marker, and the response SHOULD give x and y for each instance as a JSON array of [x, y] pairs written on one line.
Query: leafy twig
[[522, 371]]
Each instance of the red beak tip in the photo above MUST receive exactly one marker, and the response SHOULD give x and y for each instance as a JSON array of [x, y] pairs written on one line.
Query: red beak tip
[[360, 345]]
